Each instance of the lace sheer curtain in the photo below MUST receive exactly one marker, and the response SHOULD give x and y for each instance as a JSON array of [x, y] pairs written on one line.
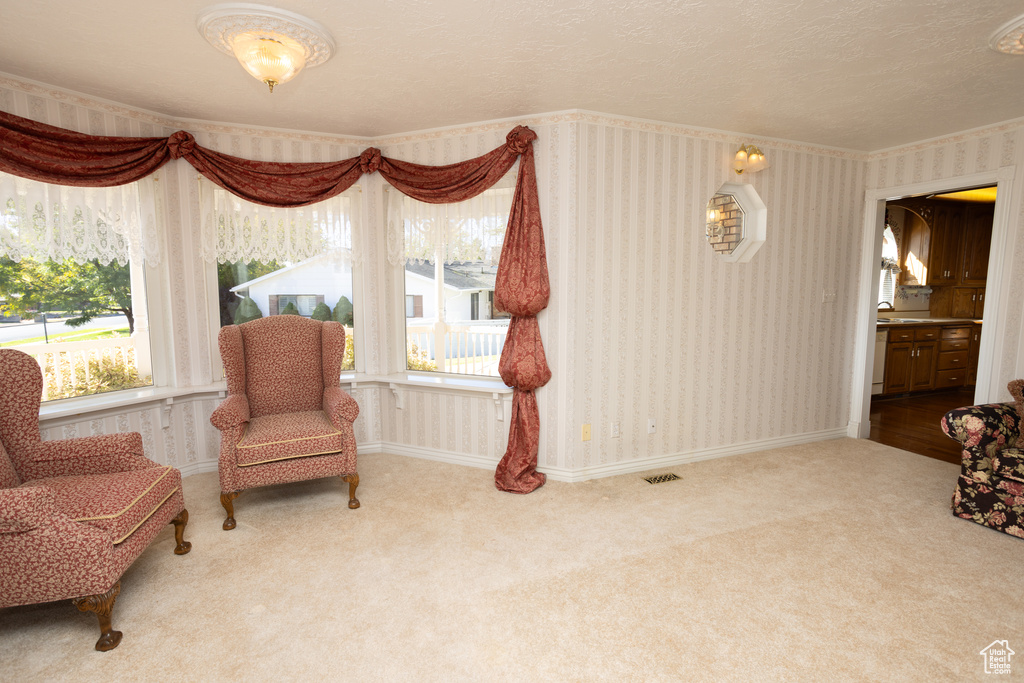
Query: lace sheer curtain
[[110, 224], [235, 229], [472, 230]]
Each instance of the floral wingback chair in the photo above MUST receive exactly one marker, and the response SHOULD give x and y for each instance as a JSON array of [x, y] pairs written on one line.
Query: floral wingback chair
[[286, 417], [990, 490], [74, 513]]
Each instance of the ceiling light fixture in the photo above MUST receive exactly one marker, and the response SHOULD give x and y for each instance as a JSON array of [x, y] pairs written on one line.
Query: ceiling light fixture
[[271, 44], [749, 159], [1009, 38]]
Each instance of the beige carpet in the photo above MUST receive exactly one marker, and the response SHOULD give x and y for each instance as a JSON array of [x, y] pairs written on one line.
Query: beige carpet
[[830, 561]]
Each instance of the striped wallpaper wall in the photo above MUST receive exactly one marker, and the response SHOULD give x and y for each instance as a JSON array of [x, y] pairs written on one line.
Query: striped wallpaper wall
[[644, 322]]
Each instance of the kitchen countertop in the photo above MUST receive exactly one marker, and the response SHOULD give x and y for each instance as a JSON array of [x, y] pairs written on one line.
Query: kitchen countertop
[[919, 321]]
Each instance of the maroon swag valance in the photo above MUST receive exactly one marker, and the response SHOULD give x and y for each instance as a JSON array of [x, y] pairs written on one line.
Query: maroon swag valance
[[54, 155]]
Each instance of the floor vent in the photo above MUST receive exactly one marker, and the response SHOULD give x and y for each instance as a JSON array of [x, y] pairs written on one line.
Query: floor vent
[[660, 478]]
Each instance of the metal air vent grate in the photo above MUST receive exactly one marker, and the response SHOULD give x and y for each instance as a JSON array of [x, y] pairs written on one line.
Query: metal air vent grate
[[660, 478]]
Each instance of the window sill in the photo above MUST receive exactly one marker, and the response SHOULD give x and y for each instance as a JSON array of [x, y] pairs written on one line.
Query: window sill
[[453, 383], [83, 405]]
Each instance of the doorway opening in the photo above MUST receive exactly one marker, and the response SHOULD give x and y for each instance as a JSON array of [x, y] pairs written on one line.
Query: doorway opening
[[932, 279]]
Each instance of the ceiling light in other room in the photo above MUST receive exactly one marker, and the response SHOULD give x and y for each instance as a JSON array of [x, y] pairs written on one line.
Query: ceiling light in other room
[[749, 159], [1009, 38], [271, 44]]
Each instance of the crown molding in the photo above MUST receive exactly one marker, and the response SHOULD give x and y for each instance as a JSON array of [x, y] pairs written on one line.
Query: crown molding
[[960, 136], [545, 119]]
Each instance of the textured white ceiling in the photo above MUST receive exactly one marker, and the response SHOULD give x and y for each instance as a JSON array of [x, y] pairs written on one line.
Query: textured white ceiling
[[861, 75]]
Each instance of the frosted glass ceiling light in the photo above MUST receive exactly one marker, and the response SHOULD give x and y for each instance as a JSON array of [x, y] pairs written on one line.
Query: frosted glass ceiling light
[[271, 44], [1009, 38]]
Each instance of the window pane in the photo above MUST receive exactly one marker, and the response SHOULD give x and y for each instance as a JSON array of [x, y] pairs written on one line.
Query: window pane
[[86, 324], [318, 287], [472, 333]]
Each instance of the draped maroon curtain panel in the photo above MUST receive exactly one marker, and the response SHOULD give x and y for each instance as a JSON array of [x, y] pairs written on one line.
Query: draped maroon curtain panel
[[54, 155]]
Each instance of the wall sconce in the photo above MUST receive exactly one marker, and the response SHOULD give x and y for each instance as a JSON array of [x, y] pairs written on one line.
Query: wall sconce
[[750, 159], [272, 45]]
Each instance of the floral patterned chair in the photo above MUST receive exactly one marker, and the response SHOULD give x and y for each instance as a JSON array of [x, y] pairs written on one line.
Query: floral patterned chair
[[990, 490], [74, 513], [286, 417]]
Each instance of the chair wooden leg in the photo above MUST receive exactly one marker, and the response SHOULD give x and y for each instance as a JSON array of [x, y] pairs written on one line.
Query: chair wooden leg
[[225, 500], [353, 482], [102, 605], [179, 523]]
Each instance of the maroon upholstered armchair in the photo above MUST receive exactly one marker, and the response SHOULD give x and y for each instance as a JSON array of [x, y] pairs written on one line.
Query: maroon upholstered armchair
[[286, 417], [74, 513]]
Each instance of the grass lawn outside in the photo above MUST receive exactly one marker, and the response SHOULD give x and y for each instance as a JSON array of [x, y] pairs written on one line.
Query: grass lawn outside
[[71, 336]]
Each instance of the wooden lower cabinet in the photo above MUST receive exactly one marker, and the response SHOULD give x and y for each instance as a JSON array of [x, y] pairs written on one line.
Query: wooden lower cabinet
[[922, 373], [910, 366], [898, 362], [926, 358], [973, 351]]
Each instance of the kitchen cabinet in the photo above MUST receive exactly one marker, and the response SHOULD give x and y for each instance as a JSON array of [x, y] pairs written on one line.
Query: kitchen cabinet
[[977, 242], [926, 357], [951, 366], [973, 351], [951, 238], [947, 232], [968, 302], [910, 359]]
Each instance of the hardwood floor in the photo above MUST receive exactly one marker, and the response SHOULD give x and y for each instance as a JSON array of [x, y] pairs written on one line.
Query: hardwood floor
[[913, 423]]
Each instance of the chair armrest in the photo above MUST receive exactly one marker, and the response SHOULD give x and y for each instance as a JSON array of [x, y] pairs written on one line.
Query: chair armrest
[[25, 508], [340, 406], [232, 412], [983, 431], [99, 454]]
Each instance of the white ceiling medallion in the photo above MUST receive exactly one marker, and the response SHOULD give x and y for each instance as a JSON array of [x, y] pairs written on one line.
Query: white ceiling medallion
[[271, 44], [1009, 38]]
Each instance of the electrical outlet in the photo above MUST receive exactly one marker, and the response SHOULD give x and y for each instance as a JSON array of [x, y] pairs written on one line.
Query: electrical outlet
[[828, 297], [586, 432], [615, 430], [650, 425]]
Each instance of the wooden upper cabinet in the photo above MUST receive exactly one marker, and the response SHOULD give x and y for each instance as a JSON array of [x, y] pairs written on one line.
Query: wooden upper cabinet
[[977, 244], [915, 250], [947, 226]]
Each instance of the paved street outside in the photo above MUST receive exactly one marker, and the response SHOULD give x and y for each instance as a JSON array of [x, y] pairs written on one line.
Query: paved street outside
[[54, 326]]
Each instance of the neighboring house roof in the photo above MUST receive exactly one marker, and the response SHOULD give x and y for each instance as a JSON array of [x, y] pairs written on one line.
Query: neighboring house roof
[[464, 276], [281, 271]]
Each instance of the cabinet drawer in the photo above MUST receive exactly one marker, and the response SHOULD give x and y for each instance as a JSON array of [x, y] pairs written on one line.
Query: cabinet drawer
[[956, 332], [945, 379], [952, 360], [954, 344], [901, 334], [926, 333]]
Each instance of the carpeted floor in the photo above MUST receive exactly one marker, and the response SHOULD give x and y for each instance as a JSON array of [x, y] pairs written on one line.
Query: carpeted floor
[[836, 560]]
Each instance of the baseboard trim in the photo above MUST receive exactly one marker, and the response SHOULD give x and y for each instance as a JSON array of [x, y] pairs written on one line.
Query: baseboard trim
[[682, 458], [575, 475], [187, 470], [437, 455]]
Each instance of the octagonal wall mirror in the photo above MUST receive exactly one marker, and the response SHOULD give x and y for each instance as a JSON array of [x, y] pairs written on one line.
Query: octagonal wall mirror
[[737, 222]]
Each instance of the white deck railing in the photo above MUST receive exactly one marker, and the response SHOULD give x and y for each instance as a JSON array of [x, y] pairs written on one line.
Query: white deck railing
[[66, 366], [467, 350]]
